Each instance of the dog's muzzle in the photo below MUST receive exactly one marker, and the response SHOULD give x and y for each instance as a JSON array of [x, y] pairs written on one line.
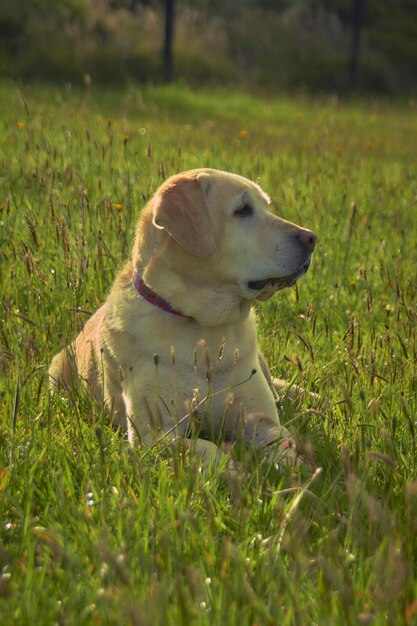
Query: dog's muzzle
[[280, 282]]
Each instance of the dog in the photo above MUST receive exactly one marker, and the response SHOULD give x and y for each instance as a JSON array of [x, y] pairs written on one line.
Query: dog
[[173, 350]]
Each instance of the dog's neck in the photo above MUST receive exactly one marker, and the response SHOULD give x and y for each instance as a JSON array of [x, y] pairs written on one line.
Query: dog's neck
[[193, 293], [150, 296], [196, 298]]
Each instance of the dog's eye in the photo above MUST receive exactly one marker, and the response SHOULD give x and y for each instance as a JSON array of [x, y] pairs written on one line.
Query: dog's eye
[[245, 211]]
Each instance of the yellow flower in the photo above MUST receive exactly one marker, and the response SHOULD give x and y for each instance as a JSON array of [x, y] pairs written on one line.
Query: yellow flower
[[118, 206], [243, 133], [20, 125]]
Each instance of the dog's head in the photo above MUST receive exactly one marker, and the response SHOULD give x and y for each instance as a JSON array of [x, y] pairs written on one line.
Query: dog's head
[[221, 223]]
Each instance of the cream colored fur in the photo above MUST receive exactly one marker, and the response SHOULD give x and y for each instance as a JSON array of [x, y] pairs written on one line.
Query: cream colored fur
[[196, 248]]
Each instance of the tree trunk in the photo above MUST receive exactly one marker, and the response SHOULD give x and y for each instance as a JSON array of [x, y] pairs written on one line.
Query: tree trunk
[[169, 35], [358, 18]]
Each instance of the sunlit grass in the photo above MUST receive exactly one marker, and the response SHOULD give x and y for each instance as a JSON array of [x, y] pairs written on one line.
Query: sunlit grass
[[94, 534]]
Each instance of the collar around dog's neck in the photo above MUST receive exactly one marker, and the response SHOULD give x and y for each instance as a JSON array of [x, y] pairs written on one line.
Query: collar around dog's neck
[[151, 297]]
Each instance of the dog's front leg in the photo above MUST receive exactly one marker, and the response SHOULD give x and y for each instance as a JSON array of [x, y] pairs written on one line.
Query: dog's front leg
[[205, 453], [267, 436]]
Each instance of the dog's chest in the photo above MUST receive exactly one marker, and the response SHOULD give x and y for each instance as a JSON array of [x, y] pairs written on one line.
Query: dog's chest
[[212, 386], [199, 357], [173, 358]]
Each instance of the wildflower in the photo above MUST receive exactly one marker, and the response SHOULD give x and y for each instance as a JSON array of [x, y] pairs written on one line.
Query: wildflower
[[20, 125], [118, 206], [243, 133]]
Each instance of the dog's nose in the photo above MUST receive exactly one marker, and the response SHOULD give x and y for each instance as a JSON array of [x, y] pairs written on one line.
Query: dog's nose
[[308, 239]]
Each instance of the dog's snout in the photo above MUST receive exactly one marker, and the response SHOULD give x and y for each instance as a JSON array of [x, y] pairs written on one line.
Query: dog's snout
[[308, 239]]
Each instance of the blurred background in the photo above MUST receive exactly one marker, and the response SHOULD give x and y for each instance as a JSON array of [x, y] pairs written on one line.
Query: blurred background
[[337, 46]]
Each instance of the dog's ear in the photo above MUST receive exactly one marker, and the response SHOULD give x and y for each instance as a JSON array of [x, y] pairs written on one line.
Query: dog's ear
[[181, 208]]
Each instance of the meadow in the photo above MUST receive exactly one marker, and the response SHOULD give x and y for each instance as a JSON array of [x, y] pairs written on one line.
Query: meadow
[[94, 533]]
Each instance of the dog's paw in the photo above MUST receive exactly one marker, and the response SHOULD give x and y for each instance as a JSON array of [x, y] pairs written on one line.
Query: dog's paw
[[294, 392], [282, 454]]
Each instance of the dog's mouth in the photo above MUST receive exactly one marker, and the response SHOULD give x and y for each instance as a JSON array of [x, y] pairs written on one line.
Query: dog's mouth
[[274, 284]]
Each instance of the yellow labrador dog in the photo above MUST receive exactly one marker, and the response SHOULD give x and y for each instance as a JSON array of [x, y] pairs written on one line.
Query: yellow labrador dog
[[174, 345]]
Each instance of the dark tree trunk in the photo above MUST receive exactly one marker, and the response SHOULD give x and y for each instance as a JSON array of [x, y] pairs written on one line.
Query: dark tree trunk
[[358, 18], [169, 36]]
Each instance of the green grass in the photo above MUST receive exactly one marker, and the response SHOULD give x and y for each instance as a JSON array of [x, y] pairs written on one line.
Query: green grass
[[93, 534]]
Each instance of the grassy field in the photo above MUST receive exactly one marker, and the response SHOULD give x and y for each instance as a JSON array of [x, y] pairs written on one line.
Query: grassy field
[[90, 532]]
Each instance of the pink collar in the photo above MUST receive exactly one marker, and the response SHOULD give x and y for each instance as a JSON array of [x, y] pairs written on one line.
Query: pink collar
[[150, 296]]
